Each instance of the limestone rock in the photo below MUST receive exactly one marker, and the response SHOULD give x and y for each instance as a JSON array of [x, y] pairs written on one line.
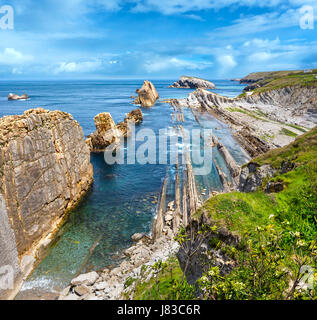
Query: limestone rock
[[106, 136], [85, 279], [45, 170], [147, 95], [135, 117], [192, 83], [13, 96], [82, 290]]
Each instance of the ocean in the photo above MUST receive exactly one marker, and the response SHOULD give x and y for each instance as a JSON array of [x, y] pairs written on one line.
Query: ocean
[[123, 198]]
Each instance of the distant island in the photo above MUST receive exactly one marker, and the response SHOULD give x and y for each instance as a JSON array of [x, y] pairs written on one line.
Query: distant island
[[192, 83]]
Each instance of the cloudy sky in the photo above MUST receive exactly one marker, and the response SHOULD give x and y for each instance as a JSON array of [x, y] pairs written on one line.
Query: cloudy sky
[[92, 39]]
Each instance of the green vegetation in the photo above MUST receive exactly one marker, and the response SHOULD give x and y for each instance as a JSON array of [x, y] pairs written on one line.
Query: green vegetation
[[167, 283], [276, 257], [288, 133], [281, 79]]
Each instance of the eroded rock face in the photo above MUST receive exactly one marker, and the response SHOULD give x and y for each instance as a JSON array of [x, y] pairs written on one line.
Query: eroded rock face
[[135, 117], [13, 96], [44, 171], [192, 83], [106, 134], [147, 95]]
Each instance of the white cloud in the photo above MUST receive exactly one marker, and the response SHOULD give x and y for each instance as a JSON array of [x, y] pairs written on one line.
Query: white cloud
[[161, 64], [227, 61], [79, 67], [10, 56]]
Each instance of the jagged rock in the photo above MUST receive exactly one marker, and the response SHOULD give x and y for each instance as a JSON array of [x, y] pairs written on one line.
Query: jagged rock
[[85, 279], [106, 136], [13, 96], [45, 170], [147, 95], [252, 176], [192, 83], [134, 117]]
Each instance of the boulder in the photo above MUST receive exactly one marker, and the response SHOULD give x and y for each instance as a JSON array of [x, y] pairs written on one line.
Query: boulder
[[274, 187], [106, 136], [85, 279], [13, 96], [82, 290], [192, 83], [147, 95]]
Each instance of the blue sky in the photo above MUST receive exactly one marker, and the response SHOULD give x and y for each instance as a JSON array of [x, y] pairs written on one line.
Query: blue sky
[[77, 39]]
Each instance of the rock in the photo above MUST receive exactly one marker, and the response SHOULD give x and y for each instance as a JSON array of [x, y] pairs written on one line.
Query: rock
[[252, 176], [106, 136], [134, 117], [147, 95], [168, 217], [45, 170], [101, 286], [192, 83], [64, 293], [274, 187], [137, 237], [82, 290], [85, 279], [16, 97]]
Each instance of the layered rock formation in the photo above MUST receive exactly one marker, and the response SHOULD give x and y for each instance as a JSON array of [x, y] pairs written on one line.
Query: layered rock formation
[[192, 83], [108, 134], [17, 97], [45, 169], [134, 117], [147, 95]]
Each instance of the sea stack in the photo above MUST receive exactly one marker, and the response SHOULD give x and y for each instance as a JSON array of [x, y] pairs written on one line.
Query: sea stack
[[45, 170], [192, 83], [107, 134], [147, 95]]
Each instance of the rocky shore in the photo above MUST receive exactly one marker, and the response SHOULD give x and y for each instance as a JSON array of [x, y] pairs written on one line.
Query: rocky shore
[[45, 170], [260, 122]]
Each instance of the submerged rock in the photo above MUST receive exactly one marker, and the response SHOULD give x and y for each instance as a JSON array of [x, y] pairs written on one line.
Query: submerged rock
[[45, 170], [13, 96], [192, 83], [147, 95]]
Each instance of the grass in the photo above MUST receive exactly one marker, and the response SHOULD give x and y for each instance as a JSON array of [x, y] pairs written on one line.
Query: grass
[[160, 288], [288, 133], [282, 79], [302, 149]]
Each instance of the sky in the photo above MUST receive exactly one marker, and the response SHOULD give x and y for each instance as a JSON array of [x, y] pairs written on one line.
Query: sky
[[156, 39]]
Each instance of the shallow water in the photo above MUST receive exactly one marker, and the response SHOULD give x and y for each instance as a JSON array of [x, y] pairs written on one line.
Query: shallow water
[[123, 198]]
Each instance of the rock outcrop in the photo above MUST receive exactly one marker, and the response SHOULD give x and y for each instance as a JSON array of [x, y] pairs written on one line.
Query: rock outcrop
[[13, 96], [147, 95], [135, 117], [107, 134], [45, 169], [192, 83]]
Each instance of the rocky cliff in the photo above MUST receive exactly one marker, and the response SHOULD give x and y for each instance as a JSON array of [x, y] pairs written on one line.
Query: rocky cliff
[[192, 83], [45, 169]]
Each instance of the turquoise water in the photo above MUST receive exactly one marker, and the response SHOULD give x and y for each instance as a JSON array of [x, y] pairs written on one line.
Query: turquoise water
[[123, 198]]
